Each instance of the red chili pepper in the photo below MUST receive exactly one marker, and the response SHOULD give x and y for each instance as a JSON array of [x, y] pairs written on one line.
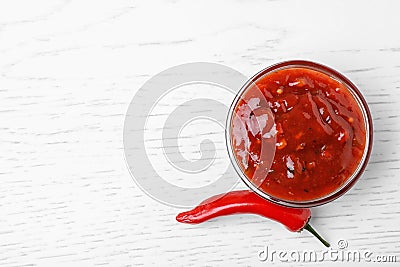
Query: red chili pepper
[[295, 219]]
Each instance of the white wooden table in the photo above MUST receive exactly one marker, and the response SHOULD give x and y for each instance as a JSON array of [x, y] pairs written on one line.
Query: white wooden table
[[68, 71]]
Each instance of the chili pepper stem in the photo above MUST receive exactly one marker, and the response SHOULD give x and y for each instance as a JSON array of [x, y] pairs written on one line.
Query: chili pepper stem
[[314, 233]]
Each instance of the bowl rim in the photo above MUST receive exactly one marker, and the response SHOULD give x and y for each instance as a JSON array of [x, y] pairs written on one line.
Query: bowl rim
[[367, 121]]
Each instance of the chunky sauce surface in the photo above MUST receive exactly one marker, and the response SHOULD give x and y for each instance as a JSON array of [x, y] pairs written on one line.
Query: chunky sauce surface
[[319, 132]]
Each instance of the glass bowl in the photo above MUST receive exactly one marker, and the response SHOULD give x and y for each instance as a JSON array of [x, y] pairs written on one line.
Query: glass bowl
[[365, 114]]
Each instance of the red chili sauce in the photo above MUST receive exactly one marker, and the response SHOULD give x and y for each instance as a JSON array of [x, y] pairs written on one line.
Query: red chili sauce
[[319, 131]]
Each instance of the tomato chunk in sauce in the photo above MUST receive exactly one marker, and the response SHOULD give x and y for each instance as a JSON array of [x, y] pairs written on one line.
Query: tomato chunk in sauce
[[319, 131]]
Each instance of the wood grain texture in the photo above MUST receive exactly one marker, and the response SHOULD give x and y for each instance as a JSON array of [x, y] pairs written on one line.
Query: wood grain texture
[[68, 71]]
